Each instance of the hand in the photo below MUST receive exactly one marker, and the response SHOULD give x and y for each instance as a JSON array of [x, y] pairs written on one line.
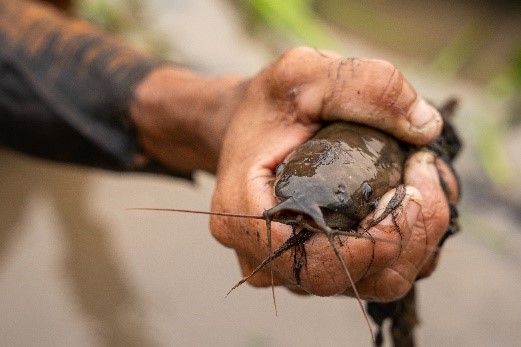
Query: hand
[[281, 108]]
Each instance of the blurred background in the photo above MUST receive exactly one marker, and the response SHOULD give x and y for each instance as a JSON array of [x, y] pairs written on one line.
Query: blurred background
[[76, 268]]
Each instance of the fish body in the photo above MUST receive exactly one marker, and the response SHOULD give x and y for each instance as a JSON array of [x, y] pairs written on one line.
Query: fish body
[[337, 177]]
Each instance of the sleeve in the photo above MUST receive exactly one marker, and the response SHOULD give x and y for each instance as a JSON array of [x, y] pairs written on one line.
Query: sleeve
[[65, 88]]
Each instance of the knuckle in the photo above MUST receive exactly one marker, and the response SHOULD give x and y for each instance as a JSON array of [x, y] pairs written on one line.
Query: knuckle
[[220, 229], [391, 94], [401, 289], [298, 82], [289, 71], [391, 85], [437, 215], [297, 54], [381, 67], [258, 281], [321, 282], [396, 288], [216, 228]]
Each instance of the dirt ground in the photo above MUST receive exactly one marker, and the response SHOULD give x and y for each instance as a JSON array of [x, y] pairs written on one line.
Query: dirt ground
[[77, 269]]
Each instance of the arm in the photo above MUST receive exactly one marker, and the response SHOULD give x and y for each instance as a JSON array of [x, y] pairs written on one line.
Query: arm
[[72, 93], [65, 88]]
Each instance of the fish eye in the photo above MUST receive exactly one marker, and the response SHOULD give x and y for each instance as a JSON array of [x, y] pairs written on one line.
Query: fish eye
[[279, 168], [367, 191]]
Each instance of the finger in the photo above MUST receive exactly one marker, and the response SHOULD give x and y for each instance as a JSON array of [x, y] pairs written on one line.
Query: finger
[[394, 281], [448, 177], [375, 93], [380, 283], [321, 86], [393, 234], [420, 171]]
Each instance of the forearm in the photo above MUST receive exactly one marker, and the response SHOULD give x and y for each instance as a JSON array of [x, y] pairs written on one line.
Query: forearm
[[65, 88], [181, 117]]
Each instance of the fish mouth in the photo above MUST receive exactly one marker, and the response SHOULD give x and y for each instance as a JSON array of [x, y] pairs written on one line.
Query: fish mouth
[[296, 212]]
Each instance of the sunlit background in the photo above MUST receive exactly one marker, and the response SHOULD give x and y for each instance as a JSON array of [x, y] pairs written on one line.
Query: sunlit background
[[77, 269]]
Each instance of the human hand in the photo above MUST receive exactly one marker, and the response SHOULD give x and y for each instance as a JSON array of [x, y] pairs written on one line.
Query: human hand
[[281, 108]]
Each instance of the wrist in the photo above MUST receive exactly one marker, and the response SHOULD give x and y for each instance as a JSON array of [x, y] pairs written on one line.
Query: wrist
[[181, 117]]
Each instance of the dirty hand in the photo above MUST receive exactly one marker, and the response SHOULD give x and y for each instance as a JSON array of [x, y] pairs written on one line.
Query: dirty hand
[[281, 108]]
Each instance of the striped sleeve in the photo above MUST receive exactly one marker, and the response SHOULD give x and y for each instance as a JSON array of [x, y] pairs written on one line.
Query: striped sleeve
[[65, 88]]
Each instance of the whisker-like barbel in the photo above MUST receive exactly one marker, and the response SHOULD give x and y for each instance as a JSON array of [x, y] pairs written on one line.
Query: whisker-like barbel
[[227, 214], [290, 222]]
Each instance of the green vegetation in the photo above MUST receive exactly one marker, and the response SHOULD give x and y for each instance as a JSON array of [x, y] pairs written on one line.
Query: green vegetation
[[293, 19], [125, 18]]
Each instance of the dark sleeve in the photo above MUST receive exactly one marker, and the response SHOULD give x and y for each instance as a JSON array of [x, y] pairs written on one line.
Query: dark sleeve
[[65, 88]]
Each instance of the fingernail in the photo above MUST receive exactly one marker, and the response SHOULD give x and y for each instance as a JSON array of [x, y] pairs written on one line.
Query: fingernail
[[419, 164], [424, 116], [412, 210], [428, 161]]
